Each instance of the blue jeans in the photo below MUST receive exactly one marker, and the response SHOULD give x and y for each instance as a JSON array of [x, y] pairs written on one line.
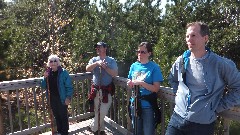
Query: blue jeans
[[145, 123], [179, 126]]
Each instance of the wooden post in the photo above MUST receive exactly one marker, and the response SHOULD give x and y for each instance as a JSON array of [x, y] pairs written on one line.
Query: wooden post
[[162, 115], [129, 122], [1, 118]]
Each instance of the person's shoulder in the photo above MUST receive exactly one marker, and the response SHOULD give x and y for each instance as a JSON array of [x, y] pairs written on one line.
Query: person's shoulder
[[110, 58], [95, 58], [136, 63], [179, 58], [222, 60], [152, 63], [64, 70]]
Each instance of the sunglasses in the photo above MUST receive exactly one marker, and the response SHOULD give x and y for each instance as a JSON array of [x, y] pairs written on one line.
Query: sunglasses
[[52, 61], [142, 52]]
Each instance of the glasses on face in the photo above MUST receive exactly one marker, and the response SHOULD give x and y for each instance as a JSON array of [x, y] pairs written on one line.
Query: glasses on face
[[52, 61], [142, 52]]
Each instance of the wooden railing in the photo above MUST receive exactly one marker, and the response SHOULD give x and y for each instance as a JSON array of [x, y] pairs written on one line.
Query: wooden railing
[[24, 104], [24, 107]]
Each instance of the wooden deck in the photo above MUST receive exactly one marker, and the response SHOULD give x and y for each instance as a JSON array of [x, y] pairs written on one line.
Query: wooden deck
[[81, 128]]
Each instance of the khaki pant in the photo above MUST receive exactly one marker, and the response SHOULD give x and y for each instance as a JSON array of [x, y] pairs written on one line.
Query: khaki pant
[[103, 112]]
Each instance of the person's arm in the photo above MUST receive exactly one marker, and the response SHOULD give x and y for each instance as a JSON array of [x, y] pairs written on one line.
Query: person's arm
[[129, 80], [44, 80], [68, 86], [232, 77], [112, 69], [173, 76], [112, 72], [151, 87], [90, 67]]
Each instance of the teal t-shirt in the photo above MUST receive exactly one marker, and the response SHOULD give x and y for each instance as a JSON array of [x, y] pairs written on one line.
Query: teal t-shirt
[[149, 73]]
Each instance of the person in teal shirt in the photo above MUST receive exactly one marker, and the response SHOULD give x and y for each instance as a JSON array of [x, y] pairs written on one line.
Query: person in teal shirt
[[147, 75]]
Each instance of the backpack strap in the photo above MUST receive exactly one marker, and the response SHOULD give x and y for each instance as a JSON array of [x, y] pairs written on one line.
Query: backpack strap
[[152, 99]]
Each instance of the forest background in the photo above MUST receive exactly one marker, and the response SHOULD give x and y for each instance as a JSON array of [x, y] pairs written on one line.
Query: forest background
[[31, 30]]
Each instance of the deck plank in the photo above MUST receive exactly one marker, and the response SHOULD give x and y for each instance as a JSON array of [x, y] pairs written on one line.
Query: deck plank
[[81, 128]]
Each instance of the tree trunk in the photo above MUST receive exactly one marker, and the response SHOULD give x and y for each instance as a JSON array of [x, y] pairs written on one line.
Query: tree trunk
[[1, 118]]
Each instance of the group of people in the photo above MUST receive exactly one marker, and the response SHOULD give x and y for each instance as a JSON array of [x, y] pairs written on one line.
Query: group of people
[[198, 78]]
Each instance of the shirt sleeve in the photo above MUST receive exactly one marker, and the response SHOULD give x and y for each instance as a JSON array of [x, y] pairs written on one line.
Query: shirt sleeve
[[157, 74], [90, 61], [173, 76], [114, 65], [68, 85], [231, 76], [130, 72]]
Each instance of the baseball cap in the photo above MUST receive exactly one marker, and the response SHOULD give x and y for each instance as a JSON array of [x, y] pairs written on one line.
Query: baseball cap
[[100, 44]]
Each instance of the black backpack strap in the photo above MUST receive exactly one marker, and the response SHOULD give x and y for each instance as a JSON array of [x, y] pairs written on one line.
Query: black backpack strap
[[152, 99]]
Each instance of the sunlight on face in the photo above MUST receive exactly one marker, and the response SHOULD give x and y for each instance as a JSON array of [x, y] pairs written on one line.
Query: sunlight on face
[[142, 54], [195, 41]]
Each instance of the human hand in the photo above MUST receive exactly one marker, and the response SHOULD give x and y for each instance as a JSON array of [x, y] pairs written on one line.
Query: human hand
[[67, 101], [98, 62], [102, 63], [137, 82], [130, 83]]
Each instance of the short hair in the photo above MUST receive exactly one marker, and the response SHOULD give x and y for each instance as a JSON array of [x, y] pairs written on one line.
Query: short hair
[[204, 29], [52, 58], [147, 45]]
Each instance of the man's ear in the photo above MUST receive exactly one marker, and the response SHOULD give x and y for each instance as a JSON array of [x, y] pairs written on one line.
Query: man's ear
[[206, 38]]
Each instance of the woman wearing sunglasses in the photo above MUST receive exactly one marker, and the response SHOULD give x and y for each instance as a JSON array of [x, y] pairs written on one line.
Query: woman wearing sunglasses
[[146, 75], [60, 90]]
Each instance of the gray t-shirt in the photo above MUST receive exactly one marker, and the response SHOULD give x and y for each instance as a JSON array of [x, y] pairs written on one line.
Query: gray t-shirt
[[195, 78], [106, 78]]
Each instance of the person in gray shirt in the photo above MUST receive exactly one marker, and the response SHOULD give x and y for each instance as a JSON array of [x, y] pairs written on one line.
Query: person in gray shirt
[[199, 77], [104, 68]]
